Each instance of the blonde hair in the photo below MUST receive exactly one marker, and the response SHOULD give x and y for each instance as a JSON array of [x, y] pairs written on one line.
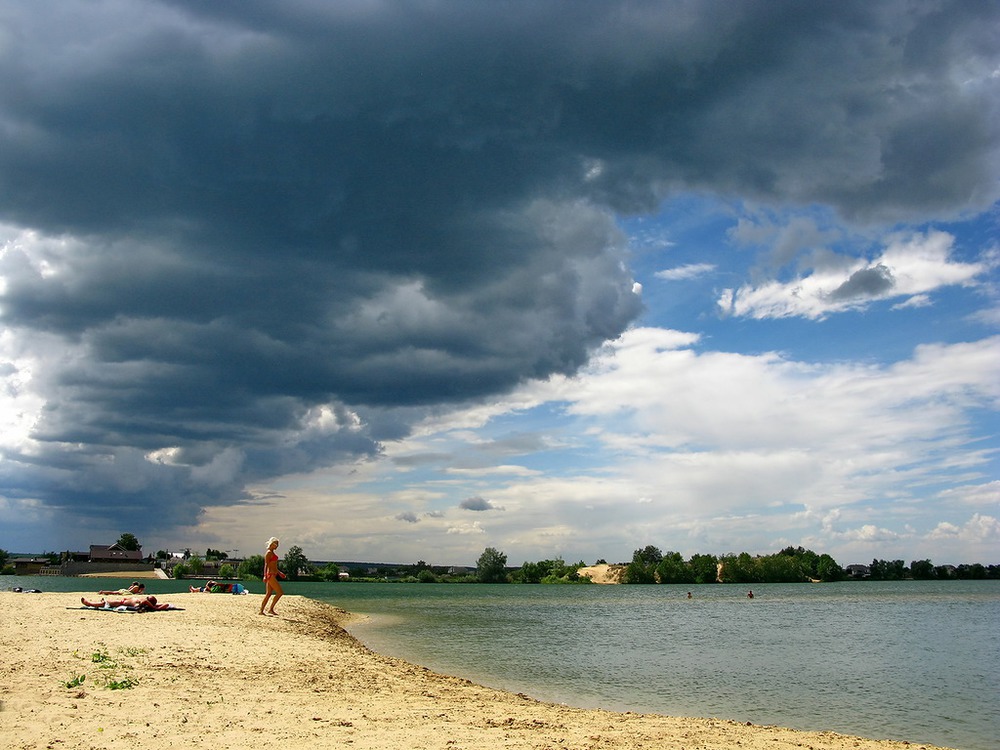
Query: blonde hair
[[272, 540]]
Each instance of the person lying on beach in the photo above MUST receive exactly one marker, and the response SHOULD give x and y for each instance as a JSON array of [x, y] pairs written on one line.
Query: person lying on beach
[[137, 603], [206, 589], [135, 588]]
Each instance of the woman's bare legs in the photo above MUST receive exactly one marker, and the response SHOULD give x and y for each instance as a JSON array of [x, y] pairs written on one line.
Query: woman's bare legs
[[272, 587]]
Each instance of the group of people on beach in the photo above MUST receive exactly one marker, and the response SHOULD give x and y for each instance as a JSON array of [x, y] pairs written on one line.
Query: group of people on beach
[[134, 597]]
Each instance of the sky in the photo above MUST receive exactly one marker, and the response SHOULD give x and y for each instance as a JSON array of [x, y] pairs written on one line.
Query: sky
[[401, 281]]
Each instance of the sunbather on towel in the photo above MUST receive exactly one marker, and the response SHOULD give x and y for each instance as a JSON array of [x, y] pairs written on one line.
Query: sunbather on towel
[[136, 603], [135, 588]]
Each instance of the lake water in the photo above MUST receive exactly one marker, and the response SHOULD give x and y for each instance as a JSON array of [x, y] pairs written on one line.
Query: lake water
[[917, 661]]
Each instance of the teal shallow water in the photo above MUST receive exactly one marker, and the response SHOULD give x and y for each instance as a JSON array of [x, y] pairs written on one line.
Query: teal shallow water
[[917, 661]]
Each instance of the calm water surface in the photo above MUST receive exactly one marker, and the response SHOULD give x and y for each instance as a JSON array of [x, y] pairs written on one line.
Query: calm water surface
[[916, 661], [912, 660]]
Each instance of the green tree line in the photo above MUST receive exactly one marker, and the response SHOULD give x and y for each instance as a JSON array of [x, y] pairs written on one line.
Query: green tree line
[[648, 565], [790, 565]]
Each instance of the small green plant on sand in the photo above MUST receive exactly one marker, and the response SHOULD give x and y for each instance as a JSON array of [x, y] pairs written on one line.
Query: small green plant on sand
[[101, 657], [113, 669], [123, 684]]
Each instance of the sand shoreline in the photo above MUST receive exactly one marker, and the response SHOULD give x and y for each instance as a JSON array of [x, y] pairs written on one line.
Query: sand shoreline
[[218, 675]]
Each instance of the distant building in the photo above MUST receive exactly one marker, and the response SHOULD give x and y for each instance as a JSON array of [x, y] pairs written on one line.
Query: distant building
[[857, 571], [29, 566], [114, 553]]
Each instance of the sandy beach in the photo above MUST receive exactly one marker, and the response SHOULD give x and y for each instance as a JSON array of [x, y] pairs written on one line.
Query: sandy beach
[[216, 674]]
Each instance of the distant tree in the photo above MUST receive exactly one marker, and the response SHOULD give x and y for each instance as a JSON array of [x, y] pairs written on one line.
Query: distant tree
[[491, 566], [4, 557], [161, 554], [215, 554], [648, 555], [426, 576], [975, 571], [638, 572], [329, 572], [196, 565], [704, 568], [180, 570], [944, 572], [529, 572], [226, 571], [296, 563], [781, 568], [673, 569], [642, 569], [827, 569], [129, 542], [740, 568], [922, 570], [252, 567], [884, 570], [557, 571], [808, 562]]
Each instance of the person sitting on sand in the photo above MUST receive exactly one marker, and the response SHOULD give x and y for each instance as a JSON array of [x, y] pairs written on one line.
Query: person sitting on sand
[[137, 603], [135, 588]]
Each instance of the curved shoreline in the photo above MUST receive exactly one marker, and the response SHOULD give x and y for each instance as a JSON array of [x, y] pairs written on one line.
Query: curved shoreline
[[220, 675]]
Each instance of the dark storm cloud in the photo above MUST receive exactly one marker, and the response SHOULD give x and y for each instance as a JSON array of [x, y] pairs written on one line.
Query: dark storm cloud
[[478, 504], [253, 221], [868, 282]]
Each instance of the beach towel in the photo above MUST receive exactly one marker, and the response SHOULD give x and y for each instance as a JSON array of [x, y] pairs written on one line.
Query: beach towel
[[107, 608], [228, 588]]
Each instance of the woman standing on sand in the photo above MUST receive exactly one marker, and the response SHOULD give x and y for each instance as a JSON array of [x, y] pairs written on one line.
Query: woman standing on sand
[[271, 576]]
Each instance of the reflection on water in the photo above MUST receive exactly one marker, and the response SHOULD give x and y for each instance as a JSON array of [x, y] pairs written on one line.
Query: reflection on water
[[918, 661]]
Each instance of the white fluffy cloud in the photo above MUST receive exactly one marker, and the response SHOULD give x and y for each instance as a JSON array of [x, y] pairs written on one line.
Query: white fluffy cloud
[[713, 452], [910, 267]]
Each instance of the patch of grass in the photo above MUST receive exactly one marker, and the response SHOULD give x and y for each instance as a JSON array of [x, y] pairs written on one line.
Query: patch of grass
[[125, 683], [114, 670], [76, 681], [102, 658]]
